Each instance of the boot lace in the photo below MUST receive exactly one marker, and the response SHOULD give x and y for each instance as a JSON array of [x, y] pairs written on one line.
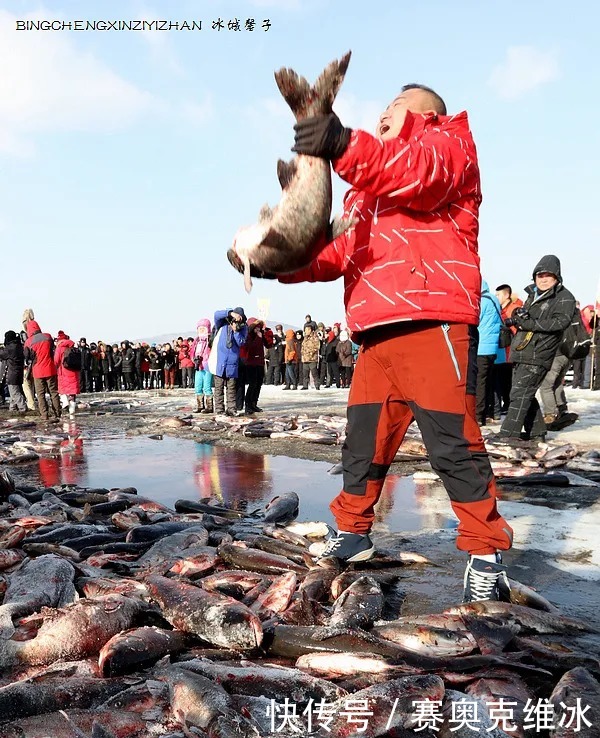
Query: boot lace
[[332, 545], [482, 584]]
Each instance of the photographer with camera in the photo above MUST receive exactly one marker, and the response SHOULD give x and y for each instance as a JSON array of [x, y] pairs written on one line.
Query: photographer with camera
[[540, 323], [231, 333]]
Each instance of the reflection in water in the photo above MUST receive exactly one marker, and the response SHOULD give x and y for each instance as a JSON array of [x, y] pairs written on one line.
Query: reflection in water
[[174, 468], [68, 466], [234, 477]]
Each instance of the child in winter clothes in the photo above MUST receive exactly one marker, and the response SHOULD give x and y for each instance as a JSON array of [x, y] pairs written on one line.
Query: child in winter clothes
[[199, 354]]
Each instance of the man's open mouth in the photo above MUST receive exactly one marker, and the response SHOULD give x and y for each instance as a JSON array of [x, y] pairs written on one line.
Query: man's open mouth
[[383, 128]]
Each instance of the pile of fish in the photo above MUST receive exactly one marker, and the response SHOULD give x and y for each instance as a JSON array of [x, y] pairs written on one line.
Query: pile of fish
[[509, 459], [328, 430], [551, 464], [123, 618]]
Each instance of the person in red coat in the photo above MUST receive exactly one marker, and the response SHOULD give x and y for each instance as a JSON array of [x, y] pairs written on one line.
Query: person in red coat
[[68, 379], [253, 355], [38, 351], [412, 283]]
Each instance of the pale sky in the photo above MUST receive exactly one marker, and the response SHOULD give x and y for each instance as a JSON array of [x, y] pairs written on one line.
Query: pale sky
[[129, 159]]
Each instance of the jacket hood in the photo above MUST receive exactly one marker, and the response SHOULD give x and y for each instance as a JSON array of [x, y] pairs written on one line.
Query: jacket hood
[[484, 286], [549, 263], [33, 327], [10, 337], [289, 334], [203, 323], [239, 311]]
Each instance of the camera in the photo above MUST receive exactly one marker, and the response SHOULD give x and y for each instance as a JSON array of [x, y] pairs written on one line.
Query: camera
[[518, 315]]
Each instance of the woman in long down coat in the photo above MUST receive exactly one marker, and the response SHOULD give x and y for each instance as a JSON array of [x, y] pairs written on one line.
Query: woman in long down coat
[[68, 379]]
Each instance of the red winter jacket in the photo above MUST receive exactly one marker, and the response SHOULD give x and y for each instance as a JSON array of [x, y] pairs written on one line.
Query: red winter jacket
[[184, 358], [39, 348], [252, 352], [412, 254], [68, 379]]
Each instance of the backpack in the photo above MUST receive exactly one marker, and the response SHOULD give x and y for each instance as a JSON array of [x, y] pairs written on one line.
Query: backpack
[[576, 342], [72, 359]]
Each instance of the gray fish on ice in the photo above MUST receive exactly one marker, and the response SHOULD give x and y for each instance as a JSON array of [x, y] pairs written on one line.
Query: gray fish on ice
[[285, 237], [43, 582]]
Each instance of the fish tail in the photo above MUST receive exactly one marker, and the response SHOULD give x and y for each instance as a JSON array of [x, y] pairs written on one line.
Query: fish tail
[[306, 101]]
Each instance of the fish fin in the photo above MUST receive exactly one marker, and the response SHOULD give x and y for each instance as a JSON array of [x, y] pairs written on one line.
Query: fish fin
[[285, 172], [266, 214], [247, 277], [338, 226], [306, 101]]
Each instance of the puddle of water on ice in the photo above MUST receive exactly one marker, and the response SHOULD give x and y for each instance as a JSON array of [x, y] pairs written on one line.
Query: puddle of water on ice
[[174, 468]]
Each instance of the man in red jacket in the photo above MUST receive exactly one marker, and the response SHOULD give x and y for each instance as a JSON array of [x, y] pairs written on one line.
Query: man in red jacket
[[39, 349], [412, 293]]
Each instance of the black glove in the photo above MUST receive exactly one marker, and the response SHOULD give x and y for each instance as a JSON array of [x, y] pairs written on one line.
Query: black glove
[[322, 135]]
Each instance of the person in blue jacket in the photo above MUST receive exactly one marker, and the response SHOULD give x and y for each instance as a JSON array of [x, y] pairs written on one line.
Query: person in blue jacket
[[490, 322], [231, 332], [495, 399]]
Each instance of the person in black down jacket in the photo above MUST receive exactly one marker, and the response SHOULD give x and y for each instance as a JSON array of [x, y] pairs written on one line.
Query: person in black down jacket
[[540, 323], [12, 354], [128, 365], [85, 373], [117, 359]]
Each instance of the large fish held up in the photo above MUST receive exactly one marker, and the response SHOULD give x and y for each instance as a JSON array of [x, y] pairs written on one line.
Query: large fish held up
[[286, 237]]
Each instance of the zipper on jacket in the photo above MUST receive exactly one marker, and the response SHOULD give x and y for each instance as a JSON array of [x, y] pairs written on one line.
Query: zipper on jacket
[[446, 330]]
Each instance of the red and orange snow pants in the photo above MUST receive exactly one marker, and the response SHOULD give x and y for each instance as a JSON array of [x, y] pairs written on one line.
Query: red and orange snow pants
[[426, 372]]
